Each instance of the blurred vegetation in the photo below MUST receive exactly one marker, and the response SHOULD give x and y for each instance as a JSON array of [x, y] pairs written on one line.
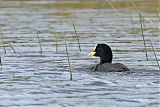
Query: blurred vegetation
[[143, 5]]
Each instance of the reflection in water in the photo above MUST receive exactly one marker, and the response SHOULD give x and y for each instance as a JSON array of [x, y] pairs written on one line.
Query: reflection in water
[[28, 78]]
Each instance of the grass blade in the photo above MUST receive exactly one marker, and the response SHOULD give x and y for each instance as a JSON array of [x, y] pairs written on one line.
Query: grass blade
[[114, 9], [155, 54], [39, 43], [12, 48], [144, 42], [143, 20], [70, 70], [4, 47], [77, 37], [56, 43], [157, 13], [0, 61], [132, 23]]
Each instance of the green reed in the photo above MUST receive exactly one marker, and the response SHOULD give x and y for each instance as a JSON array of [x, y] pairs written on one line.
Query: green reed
[[4, 47], [39, 43], [13, 75], [12, 47], [56, 43], [0, 61], [70, 70], [143, 20], [140, 18], [114, 9], [155, 54], [77, 37], [157, 13], [132, 23]]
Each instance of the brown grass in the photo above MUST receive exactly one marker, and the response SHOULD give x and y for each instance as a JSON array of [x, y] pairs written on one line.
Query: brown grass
[[144, 5]]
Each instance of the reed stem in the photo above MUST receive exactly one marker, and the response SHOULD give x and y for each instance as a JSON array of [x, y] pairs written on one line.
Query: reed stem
[[0, 61], [77, 37], [39, 43], [56, 43], [144, 25], [155, 54], [4, 47], [115, 10], [70, 70], [132, 23], [140, 17], [157, 14], [12, 48]]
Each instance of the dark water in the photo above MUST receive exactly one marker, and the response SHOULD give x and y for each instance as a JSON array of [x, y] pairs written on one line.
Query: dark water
[[31, 79]]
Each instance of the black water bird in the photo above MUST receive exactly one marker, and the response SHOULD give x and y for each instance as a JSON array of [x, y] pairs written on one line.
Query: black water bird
[[105, 53]]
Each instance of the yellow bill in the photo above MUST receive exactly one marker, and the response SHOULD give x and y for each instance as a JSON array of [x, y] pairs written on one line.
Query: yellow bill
[[92, 53]]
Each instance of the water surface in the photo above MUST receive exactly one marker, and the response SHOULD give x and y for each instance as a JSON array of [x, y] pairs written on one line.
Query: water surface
[[31, 78]]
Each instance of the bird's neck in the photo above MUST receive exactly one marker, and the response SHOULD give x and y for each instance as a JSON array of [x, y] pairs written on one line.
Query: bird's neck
[[106, 56], [102, 61]]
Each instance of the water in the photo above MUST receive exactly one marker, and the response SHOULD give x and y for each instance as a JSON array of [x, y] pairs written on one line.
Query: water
[[31, 79]]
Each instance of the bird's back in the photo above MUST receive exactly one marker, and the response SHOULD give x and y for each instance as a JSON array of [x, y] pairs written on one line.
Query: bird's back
[[109, 67]]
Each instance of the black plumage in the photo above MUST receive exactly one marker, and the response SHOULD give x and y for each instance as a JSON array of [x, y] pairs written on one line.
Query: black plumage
[[105, 53]]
